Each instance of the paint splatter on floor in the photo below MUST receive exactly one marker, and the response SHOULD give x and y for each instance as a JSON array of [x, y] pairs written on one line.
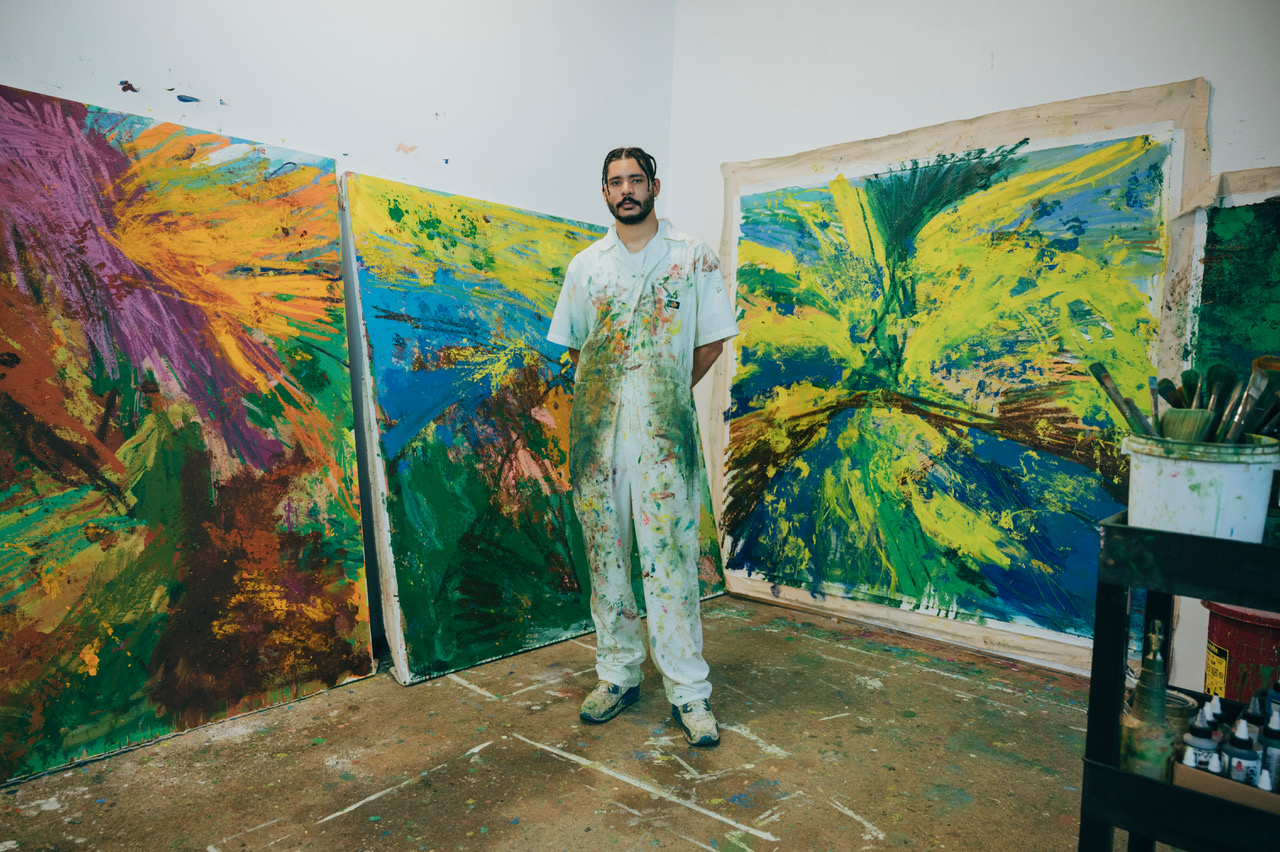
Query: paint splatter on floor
[[956, 751]]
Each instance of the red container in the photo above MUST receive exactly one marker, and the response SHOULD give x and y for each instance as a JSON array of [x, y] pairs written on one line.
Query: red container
[[1243, 652]]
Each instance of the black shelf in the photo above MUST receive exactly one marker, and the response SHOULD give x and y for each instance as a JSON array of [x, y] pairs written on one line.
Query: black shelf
[[1165, 564]]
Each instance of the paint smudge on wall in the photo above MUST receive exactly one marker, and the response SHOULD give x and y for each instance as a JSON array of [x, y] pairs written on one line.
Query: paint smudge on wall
[[406, 149], [911, 423], [474, 409], [1239, 314], [179, 531]]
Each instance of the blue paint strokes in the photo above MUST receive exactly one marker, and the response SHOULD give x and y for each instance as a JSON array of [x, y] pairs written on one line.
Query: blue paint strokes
[[188, 99]]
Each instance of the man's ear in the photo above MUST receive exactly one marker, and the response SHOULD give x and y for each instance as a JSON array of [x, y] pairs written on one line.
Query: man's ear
[[657, 187]]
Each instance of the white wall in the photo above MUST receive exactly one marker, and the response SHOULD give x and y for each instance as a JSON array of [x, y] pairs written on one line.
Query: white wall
[[521, 98], [761, 78]]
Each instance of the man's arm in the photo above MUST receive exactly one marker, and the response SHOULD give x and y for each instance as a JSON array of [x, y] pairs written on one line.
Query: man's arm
[[703, 357], [573, 356]]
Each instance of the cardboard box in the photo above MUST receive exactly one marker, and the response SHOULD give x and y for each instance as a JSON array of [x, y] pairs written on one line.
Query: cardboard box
[[1225, 788]]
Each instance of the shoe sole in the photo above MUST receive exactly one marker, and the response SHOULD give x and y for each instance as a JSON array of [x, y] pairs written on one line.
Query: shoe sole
[[631, 696], [689, 737]]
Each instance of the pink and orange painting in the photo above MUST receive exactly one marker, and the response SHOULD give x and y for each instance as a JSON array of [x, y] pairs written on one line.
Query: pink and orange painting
[[179, 523]]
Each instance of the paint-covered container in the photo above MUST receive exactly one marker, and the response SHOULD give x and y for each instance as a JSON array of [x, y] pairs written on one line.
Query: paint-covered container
[[1216, 490], [1243, 651]]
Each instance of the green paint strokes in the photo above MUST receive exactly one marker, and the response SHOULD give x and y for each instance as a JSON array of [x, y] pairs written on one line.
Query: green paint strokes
[[1239, 313]]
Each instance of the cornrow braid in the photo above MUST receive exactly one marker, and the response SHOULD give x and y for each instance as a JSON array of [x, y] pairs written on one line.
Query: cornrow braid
[[646, 161]]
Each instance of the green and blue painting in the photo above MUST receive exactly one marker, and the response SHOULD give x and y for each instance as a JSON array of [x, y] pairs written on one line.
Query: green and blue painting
[[912, 423], [1239, 317]]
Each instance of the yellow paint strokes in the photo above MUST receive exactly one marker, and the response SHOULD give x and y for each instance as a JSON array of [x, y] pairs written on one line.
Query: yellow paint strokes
[[1006, 202], [205, 233], [754, 254], [503, 237], [89, 657], [859, 226], [805, 330], [969, 262], [952, 524]]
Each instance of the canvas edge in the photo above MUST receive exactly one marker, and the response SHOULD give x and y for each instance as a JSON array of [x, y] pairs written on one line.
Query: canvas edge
[[373, 475], [1072, 654]]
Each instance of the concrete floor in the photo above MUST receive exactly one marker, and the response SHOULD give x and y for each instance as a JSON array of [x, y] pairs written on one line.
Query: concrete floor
[[834, 736]]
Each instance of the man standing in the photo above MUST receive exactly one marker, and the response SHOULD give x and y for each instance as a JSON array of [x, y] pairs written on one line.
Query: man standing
[[644, 313]]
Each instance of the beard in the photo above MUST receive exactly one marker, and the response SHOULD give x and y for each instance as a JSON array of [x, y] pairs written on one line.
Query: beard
[[632, 215]]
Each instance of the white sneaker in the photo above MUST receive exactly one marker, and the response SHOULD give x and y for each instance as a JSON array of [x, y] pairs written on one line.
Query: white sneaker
[[698, 722]]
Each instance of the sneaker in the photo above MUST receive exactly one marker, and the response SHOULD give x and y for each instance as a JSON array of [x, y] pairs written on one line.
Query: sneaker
[[606, 701], [698, 722]]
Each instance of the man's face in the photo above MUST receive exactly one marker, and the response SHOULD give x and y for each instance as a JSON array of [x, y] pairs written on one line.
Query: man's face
[[629, 193]]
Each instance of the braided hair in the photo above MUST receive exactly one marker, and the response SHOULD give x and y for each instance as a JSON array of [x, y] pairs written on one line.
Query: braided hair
[[645, 160]]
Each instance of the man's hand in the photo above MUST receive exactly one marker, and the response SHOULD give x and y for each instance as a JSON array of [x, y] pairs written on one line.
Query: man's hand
[[703, 357], [573, 356]]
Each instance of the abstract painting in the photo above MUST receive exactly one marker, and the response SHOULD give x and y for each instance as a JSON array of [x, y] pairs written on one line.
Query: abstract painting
[[1239, 315], [179, 523], [473, 419], [911, 421]]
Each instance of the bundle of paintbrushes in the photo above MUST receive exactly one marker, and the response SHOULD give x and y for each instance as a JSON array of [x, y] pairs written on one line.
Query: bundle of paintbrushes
[[1219, 407]]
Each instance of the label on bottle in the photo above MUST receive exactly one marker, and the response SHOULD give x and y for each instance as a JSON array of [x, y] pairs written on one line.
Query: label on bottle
[[1215, 670]]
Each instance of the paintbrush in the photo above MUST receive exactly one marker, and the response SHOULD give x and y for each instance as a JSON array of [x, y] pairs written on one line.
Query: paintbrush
[[1219, 380], [1190, 388], [1137, 423], [1228, 413], [1271, 420], [1144, 426], [1167, 389], [1186, 424], [1152, 386], [1265, 407], [1252, 393], [1273, 423], [1267, 362]]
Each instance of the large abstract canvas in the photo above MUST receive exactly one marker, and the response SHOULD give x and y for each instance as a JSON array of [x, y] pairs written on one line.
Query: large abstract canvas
[[179, 525], [1239, 311], [911, 421], [473, 425]]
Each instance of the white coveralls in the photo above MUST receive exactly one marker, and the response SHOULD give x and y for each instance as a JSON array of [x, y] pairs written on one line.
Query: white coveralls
[[633, 447]]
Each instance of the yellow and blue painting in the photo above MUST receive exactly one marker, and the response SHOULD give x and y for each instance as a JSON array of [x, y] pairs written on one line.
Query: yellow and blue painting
[[179, 524], [473, 418], [912, 422]]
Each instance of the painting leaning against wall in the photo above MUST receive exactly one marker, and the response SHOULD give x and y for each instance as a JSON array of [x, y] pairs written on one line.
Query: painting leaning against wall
[[1239, 316], [179, 527], [473, 425], [912, 423]]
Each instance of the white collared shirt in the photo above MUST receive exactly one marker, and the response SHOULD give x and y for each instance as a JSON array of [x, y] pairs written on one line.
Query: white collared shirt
[[650, 319]]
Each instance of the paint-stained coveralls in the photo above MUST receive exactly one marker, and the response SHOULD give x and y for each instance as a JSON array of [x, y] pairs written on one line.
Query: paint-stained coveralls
[[633, 449]]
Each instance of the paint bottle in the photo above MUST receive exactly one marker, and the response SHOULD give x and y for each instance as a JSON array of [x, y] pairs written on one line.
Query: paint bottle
[[1199, 742], [1269, 739], [1215, 764], [1213, 716], [1264, 781], [1189, 758], [1253, 717], [1243, 763], [1273, 698]]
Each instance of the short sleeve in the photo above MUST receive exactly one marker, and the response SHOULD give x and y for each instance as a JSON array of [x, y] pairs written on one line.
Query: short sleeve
[[717, 319], [570, 324]]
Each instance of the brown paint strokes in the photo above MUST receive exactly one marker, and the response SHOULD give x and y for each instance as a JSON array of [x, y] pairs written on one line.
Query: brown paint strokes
[[257, 609]]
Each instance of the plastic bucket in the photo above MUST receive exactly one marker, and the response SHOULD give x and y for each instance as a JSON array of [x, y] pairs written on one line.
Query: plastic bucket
[[1217, 490]]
